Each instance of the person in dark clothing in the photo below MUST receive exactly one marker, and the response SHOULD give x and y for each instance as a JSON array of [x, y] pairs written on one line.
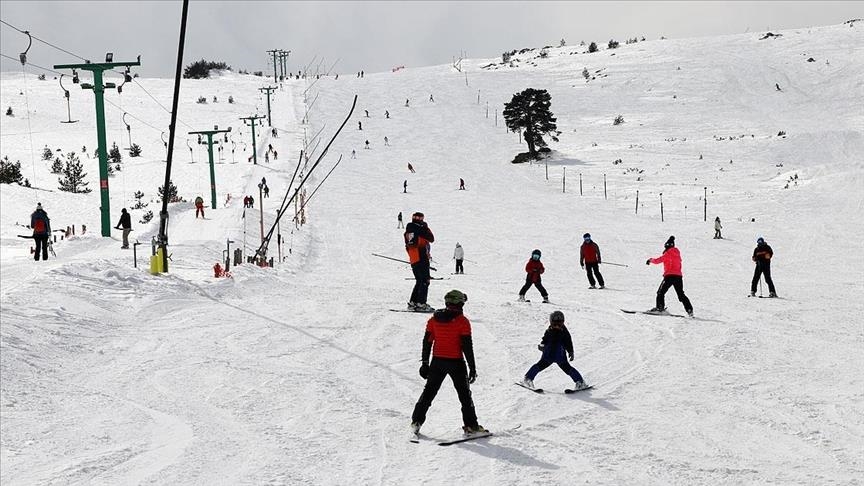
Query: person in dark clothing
[[717, 228], [399, 218], [589, 260], [448, 339], [461, 184], [672, 277], [762, 255], [199, 207], [417, 237], [405, 186], [557, 348], [534, 268], [41, 225], [126, 224]]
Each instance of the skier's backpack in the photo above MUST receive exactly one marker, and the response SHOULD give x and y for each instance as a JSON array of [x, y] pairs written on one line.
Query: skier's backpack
[[39, 226]]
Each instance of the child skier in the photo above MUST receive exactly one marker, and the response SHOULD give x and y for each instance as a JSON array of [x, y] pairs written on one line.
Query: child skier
[[717, 228], [557, 347], [672, 277], [459, 255], [534, 268]]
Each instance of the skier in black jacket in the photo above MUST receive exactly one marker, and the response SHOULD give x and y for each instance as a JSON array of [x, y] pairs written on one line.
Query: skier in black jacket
[[762, 255], [125, 224]]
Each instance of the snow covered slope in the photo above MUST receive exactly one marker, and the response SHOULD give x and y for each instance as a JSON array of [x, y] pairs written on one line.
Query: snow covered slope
[[300, 375]]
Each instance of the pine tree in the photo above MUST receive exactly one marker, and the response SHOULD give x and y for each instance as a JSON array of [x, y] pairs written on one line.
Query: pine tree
[[138, 203], [135, 150], [47, 154], [172, 192], [57, 166], [10, 172], [73, 176], [592, 47], [114, 155], [146, 217], [529, 111]]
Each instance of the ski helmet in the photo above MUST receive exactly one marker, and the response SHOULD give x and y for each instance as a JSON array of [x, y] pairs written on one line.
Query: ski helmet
[[586, 236], [536, 252], [556, 316], [760, 240], [670, 242], [455, 297]]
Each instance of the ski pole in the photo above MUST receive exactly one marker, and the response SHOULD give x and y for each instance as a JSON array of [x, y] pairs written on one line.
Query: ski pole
[[400, 261], [760, 285], [616, 264]]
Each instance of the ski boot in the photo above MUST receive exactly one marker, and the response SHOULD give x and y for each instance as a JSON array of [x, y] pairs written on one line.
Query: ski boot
[[424, 307], [546, 299], [772, 295], [415, 428], [521, 298], [528, 382], [579, 385], [593, 287], [752, 294], [602, 287], [412, 306], [475, 430], [657, 310]]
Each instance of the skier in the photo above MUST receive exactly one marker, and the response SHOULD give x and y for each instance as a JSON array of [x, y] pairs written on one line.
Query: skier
[[41, 225], [367, 145], [448, 339], [589, 260], [199, 207], [387, 114], [353, 154], [717, 228], [672, 277], [410, 167], [399, 219], [126, 223], [417, 238], [367, 113], [359, 125], [762, 255], [266, 191], [405, 186], [251, 202], [267, 157], [459, 255], [246, 201], [406, 102], [557, 347], [461, 184], [431, 99], [386, 141], [534, 268]]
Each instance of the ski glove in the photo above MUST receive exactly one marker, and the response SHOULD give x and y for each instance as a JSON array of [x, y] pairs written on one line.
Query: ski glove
[[570, 356], [424, 371], [648, 262], [472, 376], [540, 347]]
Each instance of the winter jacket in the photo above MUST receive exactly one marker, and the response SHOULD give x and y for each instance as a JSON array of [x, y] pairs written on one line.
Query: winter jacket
[[557, 343], [40, 223], [717, 225], [199, 202], [671, 260], [534, 268], [417, 239], [459, 253], [125, 221], [448, 335], [589, 253], [762, 253]]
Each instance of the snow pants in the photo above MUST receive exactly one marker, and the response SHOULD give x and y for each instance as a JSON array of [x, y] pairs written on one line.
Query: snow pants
[[673, 281], [459, 268], [126, 237], [199, 209], [439, 369], [41, 246], [561, 362], [421, 282], [595, 268], [762, 268], [538, 284]]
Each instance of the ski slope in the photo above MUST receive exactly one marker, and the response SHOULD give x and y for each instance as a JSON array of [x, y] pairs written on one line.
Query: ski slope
[[299, 374]]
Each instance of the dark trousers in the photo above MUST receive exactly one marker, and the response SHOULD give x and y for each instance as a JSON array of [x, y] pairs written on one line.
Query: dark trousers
[[717, 234], [439, 368], [41, 246], [673, 281], [538, 284], [562, 363], [421, 281], [199, 209], [595, 268], [459, 268], [762, 268]]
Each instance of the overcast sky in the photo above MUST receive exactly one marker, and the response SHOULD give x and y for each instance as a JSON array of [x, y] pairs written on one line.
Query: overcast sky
[[373, 36]]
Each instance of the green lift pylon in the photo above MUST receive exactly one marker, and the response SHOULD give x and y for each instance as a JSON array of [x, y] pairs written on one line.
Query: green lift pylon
[[267, 90], [275, 52], [209, 134], [253, 120], [283, 57], [98, 88]]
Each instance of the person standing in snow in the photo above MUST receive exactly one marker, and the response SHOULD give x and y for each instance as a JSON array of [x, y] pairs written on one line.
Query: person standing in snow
[[251, 202], [359, 125], [125, 223], [199, 207], [459, 255], [762, 255], [386, 141], [405, 186], [410, 167], [417, 237], [40, 223], [534, 268], [353, 154], [399, 218], [557, 348], [589, 260], [717, 228], [267, 191], [367, 145], [672, 277], [447, 339], [461, 184], [406, 102], [431, 99], [387, 114]]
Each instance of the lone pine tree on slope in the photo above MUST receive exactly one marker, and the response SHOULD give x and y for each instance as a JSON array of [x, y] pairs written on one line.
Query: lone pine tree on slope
[[529, 111], [73, 176]]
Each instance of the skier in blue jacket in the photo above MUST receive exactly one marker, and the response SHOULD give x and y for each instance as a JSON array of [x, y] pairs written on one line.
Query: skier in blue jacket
[[557, 347]]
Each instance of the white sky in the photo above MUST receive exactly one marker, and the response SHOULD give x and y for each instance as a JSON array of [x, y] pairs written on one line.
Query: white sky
[[373, 36]]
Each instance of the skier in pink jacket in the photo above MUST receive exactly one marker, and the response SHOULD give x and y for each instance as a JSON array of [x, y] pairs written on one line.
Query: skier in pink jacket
[[671, 260]]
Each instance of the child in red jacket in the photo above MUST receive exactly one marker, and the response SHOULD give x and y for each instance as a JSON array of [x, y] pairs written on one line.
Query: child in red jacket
[[534, 268]]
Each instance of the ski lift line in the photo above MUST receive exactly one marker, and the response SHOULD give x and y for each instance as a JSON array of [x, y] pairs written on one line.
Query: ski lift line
[[31, 64], [319, 185], [132, 116], [29, 128], [266, 240], [42, 40]]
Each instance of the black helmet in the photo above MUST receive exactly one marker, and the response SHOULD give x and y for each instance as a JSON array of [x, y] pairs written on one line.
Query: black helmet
[[556, 316], [670, 242], [535, 252], [586, 236]]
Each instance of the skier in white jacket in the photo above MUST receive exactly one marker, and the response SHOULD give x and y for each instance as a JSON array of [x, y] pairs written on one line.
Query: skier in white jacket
[[459, 255]]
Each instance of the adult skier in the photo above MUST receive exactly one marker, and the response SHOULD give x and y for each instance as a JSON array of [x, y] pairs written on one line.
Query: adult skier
[[459, 255], [534, 268], [405, 186], [717, 228], [126, 224], [199, 207], [589, 260], [417, 237], [40, 223], [672, 277], [762, 255], [448, 339], [557, 348], [399, 219], [410, 167], [461, 184]]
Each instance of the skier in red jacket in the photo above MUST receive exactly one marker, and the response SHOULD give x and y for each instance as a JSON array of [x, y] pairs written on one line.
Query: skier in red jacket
[[589, 259], [671, 260], [534, 268]]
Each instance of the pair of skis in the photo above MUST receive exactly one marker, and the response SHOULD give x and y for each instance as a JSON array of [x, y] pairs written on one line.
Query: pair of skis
[[568, 391], [416, 437]]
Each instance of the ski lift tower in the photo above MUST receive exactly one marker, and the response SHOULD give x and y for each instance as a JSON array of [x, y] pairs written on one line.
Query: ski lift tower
[[209, 134]]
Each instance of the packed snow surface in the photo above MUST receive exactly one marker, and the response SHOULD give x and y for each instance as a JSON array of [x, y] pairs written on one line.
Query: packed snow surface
[[299, 374]]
